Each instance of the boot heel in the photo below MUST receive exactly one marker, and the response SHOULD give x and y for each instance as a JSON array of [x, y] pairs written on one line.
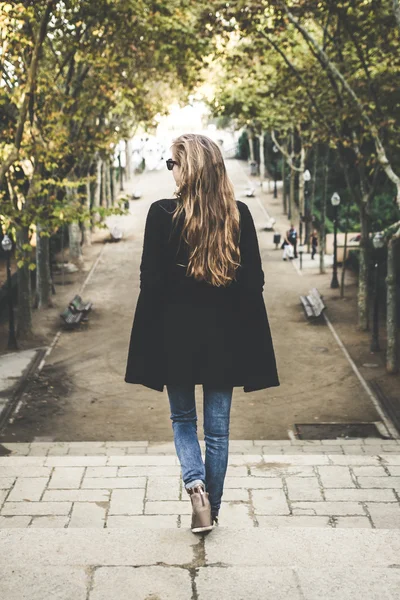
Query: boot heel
[[201, 511]]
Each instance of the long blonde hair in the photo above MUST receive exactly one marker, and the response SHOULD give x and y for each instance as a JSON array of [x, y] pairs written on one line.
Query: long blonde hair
[[212, 218]]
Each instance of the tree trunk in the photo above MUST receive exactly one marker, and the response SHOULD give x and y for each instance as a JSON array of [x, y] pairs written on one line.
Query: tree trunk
[[301, 180], [74, 230], [107, 183], [112, 183], [86, 229], [301, 191], [128, 162], [392, 350], [363, 277], [103, 185], [284, 187], [75, 250], [292, 178], [322, 233], [262, 168], [251, 144], [291, 193], [43, 275], [96, 195], [345, 251], [24, 310], [312, 196]]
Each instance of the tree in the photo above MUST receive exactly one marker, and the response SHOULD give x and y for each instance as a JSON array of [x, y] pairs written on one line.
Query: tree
[[93, 87]]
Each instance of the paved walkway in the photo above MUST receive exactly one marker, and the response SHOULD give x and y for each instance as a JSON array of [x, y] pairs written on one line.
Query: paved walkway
[[329, 483], [165, 564], [14, 367], [304, 526]]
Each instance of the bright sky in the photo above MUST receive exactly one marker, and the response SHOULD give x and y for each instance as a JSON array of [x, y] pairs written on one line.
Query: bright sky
[[187, 119]]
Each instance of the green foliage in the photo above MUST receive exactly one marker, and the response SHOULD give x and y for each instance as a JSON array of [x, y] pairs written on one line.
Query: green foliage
[[104, 69], [384, 211], [274, 79]]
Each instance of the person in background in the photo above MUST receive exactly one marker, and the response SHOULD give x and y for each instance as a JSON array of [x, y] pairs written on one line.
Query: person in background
[[314, 243], [291, 238], [287, 250]]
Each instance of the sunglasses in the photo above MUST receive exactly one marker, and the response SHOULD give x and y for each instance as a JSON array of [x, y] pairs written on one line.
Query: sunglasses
[[170, 164]]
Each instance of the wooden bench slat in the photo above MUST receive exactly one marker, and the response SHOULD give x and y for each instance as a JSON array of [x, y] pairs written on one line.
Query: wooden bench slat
[[70, 318], [77, 304], [306, 306], [317, 301], [313, 303]]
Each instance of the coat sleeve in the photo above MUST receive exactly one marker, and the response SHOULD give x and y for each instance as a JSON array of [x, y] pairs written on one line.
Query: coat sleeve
[[152, 266], [250, 275]]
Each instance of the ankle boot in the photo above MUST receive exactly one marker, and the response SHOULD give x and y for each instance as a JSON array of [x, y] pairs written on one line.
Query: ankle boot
[[201, 509]]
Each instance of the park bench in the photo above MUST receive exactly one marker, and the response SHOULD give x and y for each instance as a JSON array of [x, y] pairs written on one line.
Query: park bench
[[76, 312], [116, 234], [270, 224], [313, 304], [77, 305], [250, 192], [71, 319]]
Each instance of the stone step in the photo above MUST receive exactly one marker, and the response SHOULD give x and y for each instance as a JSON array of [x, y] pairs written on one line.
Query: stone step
[[147, 491], [45, 447], [171, 564]]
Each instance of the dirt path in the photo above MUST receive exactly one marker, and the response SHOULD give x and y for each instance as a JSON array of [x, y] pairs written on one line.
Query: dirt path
[[80, 393]]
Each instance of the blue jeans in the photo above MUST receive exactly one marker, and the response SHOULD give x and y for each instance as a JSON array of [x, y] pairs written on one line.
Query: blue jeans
[[217, 406]]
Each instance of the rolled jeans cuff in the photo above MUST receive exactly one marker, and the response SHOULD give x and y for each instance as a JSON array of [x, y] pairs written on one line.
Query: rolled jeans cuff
[[195, 482]]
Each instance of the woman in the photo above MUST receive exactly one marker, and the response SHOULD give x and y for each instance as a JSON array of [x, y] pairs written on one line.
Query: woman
[[200, 317]]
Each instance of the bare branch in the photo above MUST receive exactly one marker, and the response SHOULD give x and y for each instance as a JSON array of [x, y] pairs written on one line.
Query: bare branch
[[301, 80], [380, 150], [284, 152]]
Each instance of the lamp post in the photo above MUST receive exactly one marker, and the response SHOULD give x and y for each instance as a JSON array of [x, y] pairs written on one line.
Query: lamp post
[[6, 244], [307, 179], [275, 151], [335, 201], [378, 243]]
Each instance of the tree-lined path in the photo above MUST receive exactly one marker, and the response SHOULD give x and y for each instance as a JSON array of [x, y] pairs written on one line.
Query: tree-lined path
[[90, 400]]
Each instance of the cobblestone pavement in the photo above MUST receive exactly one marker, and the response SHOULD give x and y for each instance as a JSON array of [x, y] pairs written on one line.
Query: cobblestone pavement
[[168, 564], [331, 483]]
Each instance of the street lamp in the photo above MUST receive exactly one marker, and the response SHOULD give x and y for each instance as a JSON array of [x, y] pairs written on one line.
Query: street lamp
[[335, 201], [6, 244], [378, 242], [275, 150]]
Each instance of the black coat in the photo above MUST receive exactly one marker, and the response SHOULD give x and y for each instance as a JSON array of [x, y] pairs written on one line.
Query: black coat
[[188, 331]]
